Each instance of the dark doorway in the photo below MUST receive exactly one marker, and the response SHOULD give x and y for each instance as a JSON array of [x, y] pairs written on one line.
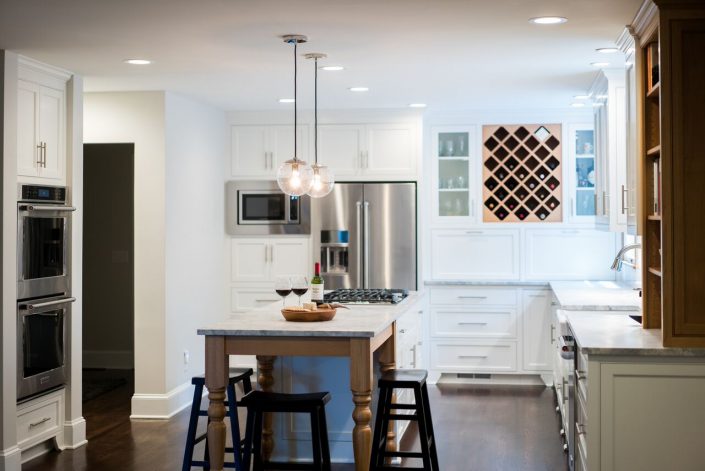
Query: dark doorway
[[108, 272]]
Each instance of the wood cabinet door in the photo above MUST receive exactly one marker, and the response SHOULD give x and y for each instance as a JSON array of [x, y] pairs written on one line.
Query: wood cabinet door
[[28, 154], [249, 153], [340, 148], [537, 330], [290, 257], [490, 254], [51, 132], [249, 260], [391, 150]]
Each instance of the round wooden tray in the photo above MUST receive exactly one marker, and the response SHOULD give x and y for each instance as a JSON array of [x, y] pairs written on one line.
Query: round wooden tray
[[318, 315]]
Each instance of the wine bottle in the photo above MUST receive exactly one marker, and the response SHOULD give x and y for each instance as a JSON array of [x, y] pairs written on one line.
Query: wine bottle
[[317, 285]]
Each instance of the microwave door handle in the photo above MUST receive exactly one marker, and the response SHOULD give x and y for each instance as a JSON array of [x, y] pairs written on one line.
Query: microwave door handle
[[360, 243], [366, 245], [31, 307], [46, 207]]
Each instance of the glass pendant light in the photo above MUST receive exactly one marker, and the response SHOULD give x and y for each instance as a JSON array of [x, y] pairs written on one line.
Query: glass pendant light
[[323, 178], [295, 176]]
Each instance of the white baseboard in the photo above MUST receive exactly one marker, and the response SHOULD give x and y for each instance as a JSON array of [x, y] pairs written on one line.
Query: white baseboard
[[74, 434], [11, 459], [110, 359], [162, 406]]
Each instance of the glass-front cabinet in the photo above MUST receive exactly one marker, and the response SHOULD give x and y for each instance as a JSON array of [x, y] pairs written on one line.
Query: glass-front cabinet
[[454, 150], [581, 150]]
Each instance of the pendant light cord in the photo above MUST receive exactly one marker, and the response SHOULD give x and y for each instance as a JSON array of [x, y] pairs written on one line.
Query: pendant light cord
[[295, 100], [315, 110]]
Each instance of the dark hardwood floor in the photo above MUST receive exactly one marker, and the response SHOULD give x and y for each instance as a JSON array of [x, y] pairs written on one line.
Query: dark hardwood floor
[[478, 428]]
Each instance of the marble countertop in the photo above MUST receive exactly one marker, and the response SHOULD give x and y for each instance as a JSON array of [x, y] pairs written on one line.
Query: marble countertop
[[361, 320], [598, 334], [596, 295], [484, 283]]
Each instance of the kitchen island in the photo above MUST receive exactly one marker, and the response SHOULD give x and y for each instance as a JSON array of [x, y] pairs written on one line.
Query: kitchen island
[[356, 334]]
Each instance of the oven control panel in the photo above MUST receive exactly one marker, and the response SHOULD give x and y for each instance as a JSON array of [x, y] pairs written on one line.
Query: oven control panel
[[43, 193]]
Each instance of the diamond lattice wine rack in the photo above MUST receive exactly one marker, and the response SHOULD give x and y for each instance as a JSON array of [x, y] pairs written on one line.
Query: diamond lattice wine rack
[[521, 173]]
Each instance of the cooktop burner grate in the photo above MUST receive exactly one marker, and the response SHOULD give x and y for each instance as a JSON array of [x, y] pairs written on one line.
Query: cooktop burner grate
[[366, 296]]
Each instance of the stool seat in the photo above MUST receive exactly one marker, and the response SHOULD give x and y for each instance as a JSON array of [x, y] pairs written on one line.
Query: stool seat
[[281, 402], [403, 378], [235, 375]]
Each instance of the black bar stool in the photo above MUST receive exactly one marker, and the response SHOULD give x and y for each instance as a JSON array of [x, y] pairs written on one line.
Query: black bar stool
[[259, 402], [404, 379], [235, 376]]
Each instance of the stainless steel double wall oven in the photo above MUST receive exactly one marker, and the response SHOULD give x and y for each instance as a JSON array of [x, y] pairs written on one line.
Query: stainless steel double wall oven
[[43, 287]]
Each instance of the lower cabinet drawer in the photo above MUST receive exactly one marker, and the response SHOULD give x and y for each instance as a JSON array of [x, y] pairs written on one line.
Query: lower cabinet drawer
[[479, 323], [242, 299], [475, 296], [38, 420], [474, 356]]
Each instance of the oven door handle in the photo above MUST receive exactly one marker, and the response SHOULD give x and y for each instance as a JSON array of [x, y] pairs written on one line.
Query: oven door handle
[[31, 307], [46, 207]]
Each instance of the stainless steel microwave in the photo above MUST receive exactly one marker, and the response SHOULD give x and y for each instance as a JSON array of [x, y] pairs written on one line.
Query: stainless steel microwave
[[261, 208]]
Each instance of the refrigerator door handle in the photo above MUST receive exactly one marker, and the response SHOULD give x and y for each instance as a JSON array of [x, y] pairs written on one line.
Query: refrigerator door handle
[[366, 246], [358, 214]]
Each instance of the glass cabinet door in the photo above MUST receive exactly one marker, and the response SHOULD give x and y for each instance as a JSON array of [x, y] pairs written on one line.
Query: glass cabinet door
[[451, 147], [582, 150]]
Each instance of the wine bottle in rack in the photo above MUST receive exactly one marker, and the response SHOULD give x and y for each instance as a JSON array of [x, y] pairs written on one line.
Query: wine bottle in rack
[[317, 285]]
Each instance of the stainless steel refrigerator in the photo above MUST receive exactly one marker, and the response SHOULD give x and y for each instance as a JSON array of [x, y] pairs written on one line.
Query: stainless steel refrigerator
[[365, 235]]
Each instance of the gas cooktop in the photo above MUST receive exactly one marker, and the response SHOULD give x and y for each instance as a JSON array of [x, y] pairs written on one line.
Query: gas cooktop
[[366, 296]]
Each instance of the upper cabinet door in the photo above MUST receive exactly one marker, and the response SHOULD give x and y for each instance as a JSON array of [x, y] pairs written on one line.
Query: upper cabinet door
[[249, 260], [249, 153], [340, 148], [51, 132], [453, 179], [391, 150], [289, 257], [28, 152], [281, 145], [581, 155]]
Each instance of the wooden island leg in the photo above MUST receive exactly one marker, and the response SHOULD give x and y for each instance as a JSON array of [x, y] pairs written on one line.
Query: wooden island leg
[[361, 386], [216, 381], [265, 379], [387, 363]]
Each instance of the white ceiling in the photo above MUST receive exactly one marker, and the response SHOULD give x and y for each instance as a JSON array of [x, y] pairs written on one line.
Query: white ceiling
[[450, 54]]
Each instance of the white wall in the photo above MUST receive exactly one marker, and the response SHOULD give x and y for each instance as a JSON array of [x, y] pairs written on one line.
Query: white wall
[[180, 159], [196, 148]]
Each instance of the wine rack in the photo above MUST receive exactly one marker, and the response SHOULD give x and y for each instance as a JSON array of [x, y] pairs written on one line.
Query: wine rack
[[521, 173]]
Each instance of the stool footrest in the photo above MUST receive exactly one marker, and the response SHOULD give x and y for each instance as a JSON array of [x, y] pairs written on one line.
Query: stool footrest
[[402, 454], [287, 466], [412, 417], [394, 405], [206, 465]]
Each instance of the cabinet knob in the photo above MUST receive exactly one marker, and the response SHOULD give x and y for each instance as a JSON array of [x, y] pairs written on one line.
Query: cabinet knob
[[562, 432], [565, 447]]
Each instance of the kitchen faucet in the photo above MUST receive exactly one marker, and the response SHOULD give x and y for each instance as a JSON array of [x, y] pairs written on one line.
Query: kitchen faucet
[[619, 260]]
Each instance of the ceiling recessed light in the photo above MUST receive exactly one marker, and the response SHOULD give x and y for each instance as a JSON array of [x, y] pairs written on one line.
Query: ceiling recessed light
[[358, 89], [417, 105], [548, 20], [287, 100], [577, 105], [607, 50], [137, 61], [332, 68], [581, 97], [599, 64]]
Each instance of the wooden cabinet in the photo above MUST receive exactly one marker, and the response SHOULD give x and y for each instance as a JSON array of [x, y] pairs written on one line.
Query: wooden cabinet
[[369, 151], [610, 150], [488, 254], [258, 150], [41, 131], [536, 313], [255, 262], [568, 254]]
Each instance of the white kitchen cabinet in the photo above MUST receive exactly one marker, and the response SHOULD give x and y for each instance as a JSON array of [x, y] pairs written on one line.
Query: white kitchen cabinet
[[369, 151], [454, 188], [245, 298], [536, 309], [610, 150], [261, 260], [41, 130], [568, 254], [41, 419], [581, 157], [626, 45], [488, 254], [258, 150]]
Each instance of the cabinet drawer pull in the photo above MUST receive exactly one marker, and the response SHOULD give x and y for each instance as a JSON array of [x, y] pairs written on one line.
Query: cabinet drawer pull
[[580, 375], [40, 147], [474, 232], [537, 295], [402, 331], [39, 422], [472, 297], [472, 323], [472, 356], [266, 300]]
